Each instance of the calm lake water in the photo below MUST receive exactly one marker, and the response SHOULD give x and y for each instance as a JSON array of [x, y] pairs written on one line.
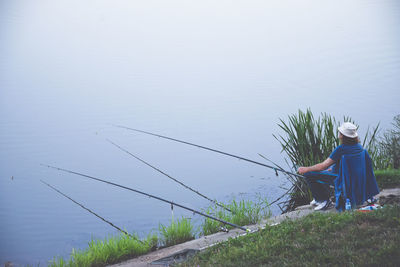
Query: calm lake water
[[217, 73]]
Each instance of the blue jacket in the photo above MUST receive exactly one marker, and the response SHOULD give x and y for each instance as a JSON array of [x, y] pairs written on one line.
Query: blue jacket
[[356, 179]]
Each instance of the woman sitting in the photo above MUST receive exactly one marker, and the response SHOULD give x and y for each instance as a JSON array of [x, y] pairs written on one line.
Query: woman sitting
[[319, 177]]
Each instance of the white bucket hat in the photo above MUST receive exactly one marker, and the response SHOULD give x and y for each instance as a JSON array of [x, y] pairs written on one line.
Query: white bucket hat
[[348, 129]]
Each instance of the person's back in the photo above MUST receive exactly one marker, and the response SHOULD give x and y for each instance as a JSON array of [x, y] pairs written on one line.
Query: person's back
[[344, 149], [356, 179]]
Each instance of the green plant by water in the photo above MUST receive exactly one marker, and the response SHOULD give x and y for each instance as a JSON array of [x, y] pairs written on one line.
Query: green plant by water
[[389, 145], [244, 212], [177, 232], [108, 251]]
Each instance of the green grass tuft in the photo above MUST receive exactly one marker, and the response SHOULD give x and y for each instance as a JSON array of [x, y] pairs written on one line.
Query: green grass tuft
[[243, 213], [177, 232], [108, 251]]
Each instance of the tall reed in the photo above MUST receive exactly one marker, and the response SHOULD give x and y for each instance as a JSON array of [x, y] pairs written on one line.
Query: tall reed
[[390, 146]]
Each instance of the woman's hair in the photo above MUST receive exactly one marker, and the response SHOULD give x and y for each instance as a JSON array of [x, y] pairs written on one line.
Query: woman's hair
[[349, 141]]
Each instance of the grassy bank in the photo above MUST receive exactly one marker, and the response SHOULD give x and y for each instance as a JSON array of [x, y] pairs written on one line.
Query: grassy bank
[[338, 239]]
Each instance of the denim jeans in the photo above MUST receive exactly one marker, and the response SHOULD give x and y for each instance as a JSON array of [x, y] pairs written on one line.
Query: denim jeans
[[319, 183]]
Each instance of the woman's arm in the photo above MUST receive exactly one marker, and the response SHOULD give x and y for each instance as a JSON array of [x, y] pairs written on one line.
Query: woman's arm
[[317, 167]]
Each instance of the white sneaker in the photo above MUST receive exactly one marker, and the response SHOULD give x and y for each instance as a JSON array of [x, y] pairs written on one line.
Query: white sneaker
[[322, 205], [314, 202]]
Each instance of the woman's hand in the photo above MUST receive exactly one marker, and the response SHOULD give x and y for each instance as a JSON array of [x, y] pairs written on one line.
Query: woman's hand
[[302, 170]]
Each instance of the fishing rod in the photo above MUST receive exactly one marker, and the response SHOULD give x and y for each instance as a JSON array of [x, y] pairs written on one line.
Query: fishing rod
[[215, 202], [149, 195], [172, 178], [92, 212], [211, 149]]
